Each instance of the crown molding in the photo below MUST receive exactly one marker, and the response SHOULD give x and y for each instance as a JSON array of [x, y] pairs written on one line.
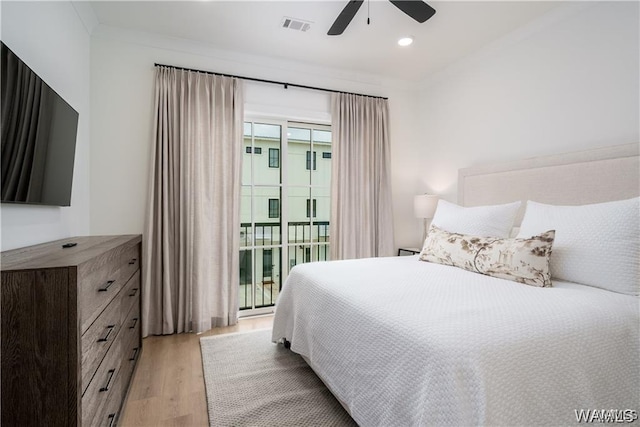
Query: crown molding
[[264, 67]]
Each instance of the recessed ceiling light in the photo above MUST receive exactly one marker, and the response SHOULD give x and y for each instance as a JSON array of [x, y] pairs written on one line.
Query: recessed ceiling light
[[405, 41]]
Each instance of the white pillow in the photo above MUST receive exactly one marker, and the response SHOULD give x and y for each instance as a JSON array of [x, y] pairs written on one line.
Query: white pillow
[[596, 245], [486, 221]]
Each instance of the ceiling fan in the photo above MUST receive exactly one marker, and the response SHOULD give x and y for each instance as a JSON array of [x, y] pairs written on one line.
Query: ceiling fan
[[417, 9]]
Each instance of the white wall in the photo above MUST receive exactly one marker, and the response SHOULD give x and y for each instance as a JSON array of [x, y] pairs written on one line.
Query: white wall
[[122, 74], [567, 82], [51, 39]]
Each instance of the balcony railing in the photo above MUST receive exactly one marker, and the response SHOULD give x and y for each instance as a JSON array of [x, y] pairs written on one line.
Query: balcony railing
[[306, 242], [268, 233]]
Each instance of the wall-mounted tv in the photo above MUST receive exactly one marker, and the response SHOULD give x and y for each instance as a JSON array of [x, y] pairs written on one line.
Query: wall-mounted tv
[[38, 130]]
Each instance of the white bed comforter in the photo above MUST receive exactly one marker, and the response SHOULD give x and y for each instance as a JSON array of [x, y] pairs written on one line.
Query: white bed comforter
[[403, 343]]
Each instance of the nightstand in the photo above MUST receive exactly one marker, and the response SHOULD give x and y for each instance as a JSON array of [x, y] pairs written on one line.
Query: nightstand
[[408, 251]]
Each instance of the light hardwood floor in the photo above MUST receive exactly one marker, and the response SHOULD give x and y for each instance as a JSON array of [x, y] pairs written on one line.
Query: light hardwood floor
[[168, 386]]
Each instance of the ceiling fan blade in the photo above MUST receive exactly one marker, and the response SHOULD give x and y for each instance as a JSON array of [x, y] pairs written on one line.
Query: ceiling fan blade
[[345, 17], [417, 9]]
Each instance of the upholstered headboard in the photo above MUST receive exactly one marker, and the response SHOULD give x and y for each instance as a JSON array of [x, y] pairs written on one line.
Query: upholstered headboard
[[592, 176]]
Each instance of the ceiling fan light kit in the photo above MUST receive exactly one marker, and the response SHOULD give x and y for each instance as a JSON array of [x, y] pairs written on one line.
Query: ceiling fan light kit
[[416, 9]]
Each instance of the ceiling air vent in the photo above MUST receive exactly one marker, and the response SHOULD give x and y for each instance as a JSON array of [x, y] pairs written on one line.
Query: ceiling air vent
[[295, 24]]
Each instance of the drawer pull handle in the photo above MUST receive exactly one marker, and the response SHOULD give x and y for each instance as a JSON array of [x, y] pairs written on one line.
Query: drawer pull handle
[[132, 261], [133, 293], [135, 321], [106, 387], [135, 354], [106, 337], [106, 286], [112, 418]]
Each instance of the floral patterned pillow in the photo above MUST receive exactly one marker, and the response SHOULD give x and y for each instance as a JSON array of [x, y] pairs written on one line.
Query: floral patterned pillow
[[521, 260]]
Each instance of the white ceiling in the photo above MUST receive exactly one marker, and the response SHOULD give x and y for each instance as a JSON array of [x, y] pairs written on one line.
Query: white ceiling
[[254, 27]]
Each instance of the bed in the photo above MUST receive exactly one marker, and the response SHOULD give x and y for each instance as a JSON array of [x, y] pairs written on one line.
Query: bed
[[401, 342]]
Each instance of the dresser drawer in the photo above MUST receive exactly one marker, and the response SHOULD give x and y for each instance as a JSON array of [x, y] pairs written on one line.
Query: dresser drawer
[[104, 386], [131, 324], [130, 298], [99, 339], [102, 282], [128, 365], [111, 413], [131, 352]]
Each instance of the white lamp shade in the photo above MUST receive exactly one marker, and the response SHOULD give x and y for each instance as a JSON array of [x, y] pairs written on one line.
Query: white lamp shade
[[424, 205]]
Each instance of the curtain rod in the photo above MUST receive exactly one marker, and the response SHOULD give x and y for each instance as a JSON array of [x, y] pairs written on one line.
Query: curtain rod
[[286, 85]]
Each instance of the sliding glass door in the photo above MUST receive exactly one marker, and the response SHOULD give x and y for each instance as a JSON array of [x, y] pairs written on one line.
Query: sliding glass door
[[308, 188], [285, 208], [260, 216]]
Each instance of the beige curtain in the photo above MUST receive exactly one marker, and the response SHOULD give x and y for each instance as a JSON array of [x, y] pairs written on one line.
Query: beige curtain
[[191, 242], [361, 214]]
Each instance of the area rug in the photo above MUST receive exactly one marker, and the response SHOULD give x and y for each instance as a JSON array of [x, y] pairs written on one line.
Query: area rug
[[252, 382]]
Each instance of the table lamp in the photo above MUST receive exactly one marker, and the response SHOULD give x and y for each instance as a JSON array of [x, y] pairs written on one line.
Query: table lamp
[[424, 206]]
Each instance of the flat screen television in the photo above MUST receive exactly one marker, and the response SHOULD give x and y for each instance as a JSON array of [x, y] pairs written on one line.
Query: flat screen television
[[38, 130]]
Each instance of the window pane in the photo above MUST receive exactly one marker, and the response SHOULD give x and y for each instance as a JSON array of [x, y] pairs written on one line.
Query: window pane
[[246, 232], [299, 134], [268, 267], [266, 138], [246, 155], [321, 253], [322, 198], [298, 222], [323, 214], [299, 254], [245, 296], [321, 231], [247, 129], [321, 175], [267, 263], [322, 136], [267, 228], [299, 142]]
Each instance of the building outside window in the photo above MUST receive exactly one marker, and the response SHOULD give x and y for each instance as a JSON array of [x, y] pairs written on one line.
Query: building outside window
[[274, 157], [274, 208], [309, 208], [255, 150], [309, 160], [285, 206]]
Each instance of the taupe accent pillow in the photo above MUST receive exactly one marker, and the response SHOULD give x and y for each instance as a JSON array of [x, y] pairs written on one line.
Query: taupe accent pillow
[[520, 260]]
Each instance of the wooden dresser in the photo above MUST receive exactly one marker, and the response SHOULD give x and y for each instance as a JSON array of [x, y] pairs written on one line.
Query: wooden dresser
[[71, 332]]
